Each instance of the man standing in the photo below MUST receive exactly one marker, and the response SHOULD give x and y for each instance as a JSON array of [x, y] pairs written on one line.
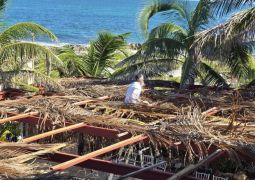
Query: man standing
[[134, 90]]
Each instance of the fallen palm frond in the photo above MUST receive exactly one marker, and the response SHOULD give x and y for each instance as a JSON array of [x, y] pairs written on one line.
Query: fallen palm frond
[[177, 117], [15, 155]]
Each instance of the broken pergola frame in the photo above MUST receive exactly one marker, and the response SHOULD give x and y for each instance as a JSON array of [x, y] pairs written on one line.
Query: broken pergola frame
[[88, 160]]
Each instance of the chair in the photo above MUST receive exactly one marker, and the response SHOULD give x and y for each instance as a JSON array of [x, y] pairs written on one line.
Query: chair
[[202, 176], [132, 160], [113, 177], [147, 160], [161, 167], [219, 178]]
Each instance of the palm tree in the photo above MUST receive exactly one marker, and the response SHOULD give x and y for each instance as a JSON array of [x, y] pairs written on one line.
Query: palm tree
[[232, 41], [103, 53], [98, 58], [73, 63], [16, 54], [170, 44]]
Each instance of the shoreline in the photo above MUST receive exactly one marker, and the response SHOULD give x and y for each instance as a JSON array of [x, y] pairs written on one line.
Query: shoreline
[[132, 45]]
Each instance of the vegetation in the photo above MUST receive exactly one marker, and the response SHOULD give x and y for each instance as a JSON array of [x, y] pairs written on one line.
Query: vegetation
[[172, 43], [100, 57]]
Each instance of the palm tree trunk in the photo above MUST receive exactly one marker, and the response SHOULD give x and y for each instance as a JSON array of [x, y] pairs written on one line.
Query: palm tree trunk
[[48, 64], [189, 69]]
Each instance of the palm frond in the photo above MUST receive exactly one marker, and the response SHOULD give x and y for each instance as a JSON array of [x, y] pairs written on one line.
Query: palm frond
[[225, 6], [209, 76], [149, 68], [201, 15], [156, 7], [22, 76], [168, 30], [2, 4], [239, 62], [25, 51], [240, 26], [250, 84], [74, 63], [160, 48], [103, 53], [24, 31], [234, 54]]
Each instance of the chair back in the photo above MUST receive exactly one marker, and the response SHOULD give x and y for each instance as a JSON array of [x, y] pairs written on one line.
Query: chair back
[[202, 176], [219, 178]]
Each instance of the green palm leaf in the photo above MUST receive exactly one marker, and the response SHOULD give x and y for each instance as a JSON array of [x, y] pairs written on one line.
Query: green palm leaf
[[2, 4], [157, 6], [161, 48], [22, 75], [225, 6], [201, 15], [103, 53], [25, 30], [210, 76], [73, 63], [168, 30], [25, 51], [149, 68]]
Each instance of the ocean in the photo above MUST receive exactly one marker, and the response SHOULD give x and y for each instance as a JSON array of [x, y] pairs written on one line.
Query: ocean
[[78, 21]]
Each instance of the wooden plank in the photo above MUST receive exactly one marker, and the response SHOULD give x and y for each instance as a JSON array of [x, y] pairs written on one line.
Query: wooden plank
[[88, 129], [18, 117], [99, 152], [53, 132], [111, 167]]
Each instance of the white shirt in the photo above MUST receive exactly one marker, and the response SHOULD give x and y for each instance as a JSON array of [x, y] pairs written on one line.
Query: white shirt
[[133, 93]]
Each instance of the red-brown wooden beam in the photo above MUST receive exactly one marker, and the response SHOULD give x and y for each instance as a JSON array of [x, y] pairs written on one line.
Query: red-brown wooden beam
[[87, 129], [53, 132], [111, 167], [18, 117], [73, 162]]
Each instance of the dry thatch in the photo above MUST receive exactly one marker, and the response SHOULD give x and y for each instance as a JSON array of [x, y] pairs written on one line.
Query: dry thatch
[[175, 119], [13, 158]]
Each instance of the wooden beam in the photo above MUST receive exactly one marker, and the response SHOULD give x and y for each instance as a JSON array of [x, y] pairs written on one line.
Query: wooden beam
[[110, 167], [88, 129], [99, 152], [18, 117], [53, 132]]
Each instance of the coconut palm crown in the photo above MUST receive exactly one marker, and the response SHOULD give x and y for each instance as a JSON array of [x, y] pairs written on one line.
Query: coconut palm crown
[[172, 43]]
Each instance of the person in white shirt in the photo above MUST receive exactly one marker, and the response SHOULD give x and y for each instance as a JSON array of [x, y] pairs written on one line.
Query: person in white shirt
[[134, 90]]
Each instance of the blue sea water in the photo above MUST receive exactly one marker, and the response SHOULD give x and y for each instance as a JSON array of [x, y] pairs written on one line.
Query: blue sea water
[[78, 21]]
